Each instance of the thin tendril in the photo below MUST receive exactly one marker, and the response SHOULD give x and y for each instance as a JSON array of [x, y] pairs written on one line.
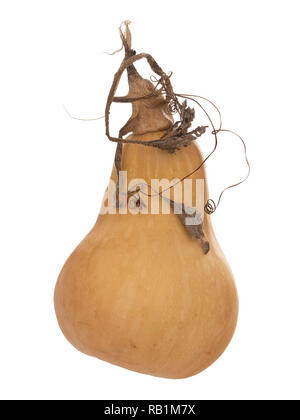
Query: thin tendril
[[247, 161], [207, 100], [214, 132], [82, 119], [210, 205]]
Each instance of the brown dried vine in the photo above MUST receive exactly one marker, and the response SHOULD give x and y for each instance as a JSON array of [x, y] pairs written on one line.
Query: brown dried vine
[[175, 137], [181, 137]]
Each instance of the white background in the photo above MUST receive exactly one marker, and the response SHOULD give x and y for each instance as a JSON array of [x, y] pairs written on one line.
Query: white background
[[242, 54]]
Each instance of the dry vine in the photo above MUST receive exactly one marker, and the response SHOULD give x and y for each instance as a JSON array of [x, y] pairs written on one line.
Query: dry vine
[[177, 136]]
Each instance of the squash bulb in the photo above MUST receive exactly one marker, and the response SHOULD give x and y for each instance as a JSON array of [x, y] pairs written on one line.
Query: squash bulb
[[138, 291]]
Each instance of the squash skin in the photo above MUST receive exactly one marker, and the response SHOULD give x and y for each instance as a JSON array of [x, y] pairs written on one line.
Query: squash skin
[[138, 291]]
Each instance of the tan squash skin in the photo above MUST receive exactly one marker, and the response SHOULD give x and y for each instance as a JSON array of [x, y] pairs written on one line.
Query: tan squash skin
[[138, 291]]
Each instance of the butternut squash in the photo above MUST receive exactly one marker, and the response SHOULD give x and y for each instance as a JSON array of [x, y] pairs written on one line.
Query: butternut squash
[[138, 291]]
